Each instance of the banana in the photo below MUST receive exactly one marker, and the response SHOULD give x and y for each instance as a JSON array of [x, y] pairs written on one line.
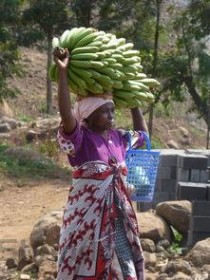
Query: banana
[[131, 60], [82, 32], [77, 80], [88, 49], [121, 41], [95, 44], [119, 58], [130, 69], [95, 88], [84, 56], [143, 96], [80, 63], [103, 80], [125, 94], [109, 60], [97, 64], [131, 53], [117, 66], [102, 38], [70, 38], [83, 73], [55, 42], [52, 71], [140, 85], [110, 72], [101, 55], [64, 39], [117, 84], [140, 76], [73, 87], [101, 62], [128, 85], [86, 64], [86, 40], [126, 47], [150, 82], [132, 103], [120, 103]]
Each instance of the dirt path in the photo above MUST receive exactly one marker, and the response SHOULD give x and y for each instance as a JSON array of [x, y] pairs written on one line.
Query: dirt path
[[21, 207]]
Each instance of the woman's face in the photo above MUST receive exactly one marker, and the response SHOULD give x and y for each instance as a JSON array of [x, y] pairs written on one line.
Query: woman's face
[[102, 118]]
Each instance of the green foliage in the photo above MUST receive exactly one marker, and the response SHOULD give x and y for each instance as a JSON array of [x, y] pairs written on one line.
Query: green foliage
[[176, 244], [51, 16], [9, 55], [23, 163]]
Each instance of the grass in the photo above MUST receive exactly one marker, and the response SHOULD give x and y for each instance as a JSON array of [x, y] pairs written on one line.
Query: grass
[[22, 163]]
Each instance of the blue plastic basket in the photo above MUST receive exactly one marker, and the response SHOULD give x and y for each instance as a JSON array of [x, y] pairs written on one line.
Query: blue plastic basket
[[142, 171]]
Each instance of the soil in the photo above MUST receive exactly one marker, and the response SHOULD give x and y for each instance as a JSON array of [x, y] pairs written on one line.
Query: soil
[[23, 204]]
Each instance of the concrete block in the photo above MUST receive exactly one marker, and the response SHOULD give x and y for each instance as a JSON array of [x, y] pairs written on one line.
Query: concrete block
[[173, 172], [164, 173], [190, 161], [191, 192], [201, 224], [168, 159], [201, 208], [183, 174], [160, 197], [194, 175], [203, 176], [194, 237], [168, 185]]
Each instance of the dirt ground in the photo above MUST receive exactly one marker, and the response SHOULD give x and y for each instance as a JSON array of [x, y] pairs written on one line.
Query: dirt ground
[[21, 207]]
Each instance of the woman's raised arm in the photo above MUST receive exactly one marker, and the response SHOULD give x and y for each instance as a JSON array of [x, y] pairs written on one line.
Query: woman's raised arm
[[139, 122], [64, 98]]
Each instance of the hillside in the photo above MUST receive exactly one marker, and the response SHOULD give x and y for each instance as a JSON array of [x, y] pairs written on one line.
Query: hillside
[[185, 129]]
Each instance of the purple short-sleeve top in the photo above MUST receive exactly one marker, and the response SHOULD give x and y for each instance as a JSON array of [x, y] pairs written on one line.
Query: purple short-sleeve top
[[84, 145]]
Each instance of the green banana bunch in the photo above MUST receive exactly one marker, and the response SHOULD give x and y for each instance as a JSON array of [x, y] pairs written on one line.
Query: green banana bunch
[[100, 62]]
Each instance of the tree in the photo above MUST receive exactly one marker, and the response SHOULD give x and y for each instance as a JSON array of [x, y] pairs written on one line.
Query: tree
[[186, 67], [51, 17], [9, 56]]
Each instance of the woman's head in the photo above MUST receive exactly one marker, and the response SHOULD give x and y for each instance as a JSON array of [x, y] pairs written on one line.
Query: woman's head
[[95, 112], [102, 118]]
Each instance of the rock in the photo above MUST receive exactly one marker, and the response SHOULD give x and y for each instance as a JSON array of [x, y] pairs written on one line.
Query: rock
[[5, 110], [178, 265], [184, 131], [4, 127], [25, 277], [176, 213], [153, 227], [25, 256], [11, 263], [148, 245], [46, 230], [172, 145], [199, 254], [11, 122]]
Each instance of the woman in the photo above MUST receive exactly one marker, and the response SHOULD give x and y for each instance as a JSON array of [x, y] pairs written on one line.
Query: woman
[[99, 236]]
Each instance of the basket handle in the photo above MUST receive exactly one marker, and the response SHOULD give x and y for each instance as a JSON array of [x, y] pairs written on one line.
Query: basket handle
[[146, 138]]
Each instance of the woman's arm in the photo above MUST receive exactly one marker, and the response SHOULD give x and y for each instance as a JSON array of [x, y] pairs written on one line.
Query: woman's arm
[[139, 122], [64, 100]]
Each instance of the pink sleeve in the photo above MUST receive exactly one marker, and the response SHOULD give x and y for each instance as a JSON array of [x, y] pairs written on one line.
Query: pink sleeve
[[70, 143]]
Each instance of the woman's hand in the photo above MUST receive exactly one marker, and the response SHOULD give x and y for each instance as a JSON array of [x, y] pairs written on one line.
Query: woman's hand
[[61, 58]]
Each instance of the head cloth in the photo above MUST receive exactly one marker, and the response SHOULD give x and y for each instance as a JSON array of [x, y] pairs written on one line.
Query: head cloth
[[84, 107]]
